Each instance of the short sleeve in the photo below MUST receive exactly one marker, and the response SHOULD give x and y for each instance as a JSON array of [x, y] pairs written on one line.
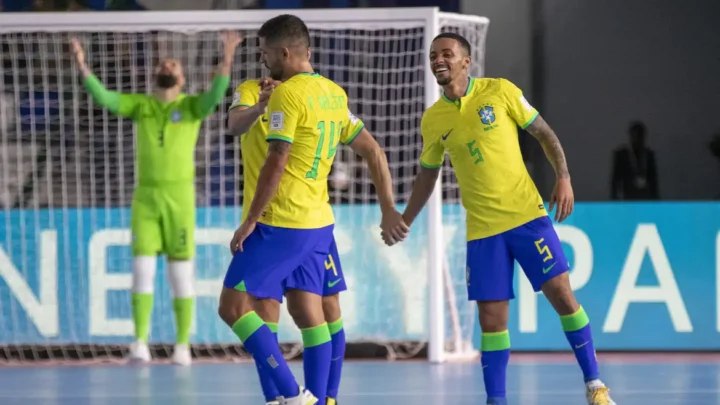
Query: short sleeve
[[129, 105], [352, 129], [284, 111], [246, 94], [433, 151], [518, 107]]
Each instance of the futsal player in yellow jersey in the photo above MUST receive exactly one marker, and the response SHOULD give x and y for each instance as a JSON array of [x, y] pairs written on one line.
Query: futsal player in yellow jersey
[[248, 119], [286, 237], [475, 122]]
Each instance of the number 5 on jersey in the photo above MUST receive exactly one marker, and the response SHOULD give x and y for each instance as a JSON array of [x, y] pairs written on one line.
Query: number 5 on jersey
[[334, 130]]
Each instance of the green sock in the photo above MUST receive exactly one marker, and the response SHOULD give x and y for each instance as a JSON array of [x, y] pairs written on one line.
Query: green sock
[[183, 308], [142, 312]]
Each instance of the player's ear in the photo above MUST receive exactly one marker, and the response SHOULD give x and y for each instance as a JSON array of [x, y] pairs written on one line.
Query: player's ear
[[286, 53], [309, 53]]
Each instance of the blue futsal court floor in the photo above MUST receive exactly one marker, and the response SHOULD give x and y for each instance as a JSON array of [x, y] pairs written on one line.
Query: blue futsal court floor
[[532, 380]]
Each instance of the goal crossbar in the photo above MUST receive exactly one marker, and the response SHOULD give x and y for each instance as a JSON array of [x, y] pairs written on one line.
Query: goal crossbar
[[190, 21]]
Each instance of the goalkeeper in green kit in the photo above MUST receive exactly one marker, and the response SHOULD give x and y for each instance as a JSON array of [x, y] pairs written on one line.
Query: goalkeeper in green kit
[[163, 205]]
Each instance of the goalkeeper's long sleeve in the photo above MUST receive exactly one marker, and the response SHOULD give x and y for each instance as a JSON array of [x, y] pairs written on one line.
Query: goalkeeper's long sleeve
[[206, 102], [101, 95]]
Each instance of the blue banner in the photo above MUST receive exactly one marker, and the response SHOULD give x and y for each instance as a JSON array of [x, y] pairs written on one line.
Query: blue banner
[[645, 273]]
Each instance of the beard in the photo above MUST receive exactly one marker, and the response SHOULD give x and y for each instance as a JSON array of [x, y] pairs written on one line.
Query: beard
[[166, 81], [444, 81]]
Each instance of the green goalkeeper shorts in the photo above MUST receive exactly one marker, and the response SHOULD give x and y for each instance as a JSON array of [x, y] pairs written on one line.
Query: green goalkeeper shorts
[[163, 221]]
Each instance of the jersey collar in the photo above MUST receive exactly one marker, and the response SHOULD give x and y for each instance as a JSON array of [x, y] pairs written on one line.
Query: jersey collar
[[471, 83]]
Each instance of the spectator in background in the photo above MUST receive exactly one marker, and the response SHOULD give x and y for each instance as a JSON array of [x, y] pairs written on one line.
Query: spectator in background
[[634, 170]]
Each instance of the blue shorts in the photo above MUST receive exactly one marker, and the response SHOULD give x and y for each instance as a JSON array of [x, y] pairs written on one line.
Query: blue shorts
[[333, 282], [274, 257], [491, 261]]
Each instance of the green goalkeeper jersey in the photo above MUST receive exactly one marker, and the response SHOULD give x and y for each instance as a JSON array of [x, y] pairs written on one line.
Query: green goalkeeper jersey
[[166, 132]]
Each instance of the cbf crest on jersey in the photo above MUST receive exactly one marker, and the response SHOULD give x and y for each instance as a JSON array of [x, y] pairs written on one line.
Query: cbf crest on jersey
[[487, 116], [175, 116]]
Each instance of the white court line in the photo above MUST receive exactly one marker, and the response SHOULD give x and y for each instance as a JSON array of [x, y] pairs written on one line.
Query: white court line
[[246, 394]]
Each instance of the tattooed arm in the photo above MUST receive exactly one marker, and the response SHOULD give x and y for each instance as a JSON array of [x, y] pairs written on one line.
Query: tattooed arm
[[562, 194], [551, 145]]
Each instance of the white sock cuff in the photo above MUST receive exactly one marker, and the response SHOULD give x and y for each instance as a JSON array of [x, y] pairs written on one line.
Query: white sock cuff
[[181, 277], [144, 274]]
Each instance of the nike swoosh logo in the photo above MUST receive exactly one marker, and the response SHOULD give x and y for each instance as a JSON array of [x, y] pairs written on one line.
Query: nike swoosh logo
[[547, 269], [444, 137], [331, 284], [264, 119], [579, 346]]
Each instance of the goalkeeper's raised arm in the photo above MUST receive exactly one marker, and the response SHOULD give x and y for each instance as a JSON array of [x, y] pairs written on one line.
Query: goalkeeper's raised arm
[[169, 80]]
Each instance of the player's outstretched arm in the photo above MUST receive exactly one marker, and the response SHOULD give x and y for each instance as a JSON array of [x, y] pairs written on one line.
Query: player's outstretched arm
[[421, 192], [562, 193], [204, 104], [242, 116], [393, 226], [107, 99]]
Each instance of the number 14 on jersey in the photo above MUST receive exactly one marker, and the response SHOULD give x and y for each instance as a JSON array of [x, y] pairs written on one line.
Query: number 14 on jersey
[[333, 129]]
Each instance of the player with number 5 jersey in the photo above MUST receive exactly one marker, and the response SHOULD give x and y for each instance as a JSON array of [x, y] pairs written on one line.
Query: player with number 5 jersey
[[163, 205], [475, 122]]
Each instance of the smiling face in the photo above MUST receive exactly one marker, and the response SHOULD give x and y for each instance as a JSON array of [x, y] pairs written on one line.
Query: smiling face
[[169, 73], [448, 60]]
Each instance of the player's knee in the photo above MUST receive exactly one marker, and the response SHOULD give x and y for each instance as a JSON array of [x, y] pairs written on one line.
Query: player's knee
[[331, 307], [305, 308], [493, 315], [181, 278], [268, 309], [144, 274], [560, 294], [233, 305]]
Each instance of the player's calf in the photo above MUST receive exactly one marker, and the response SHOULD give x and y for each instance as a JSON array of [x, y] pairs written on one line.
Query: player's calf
[[143, 285], [269, 311], [495, 346], [333, 316], [182, 285], [576, 325], [306, 309]]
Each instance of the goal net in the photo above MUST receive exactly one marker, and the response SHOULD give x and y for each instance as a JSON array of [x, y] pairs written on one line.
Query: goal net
[[67, 174]]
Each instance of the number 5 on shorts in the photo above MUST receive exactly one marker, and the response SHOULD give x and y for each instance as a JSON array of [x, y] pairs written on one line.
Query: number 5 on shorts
[[543, 249]]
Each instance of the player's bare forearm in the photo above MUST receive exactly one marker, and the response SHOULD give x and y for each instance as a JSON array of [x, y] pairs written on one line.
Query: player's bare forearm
[[366, 146], [421, 192], [551, 145], [269, 178], [242, 118]]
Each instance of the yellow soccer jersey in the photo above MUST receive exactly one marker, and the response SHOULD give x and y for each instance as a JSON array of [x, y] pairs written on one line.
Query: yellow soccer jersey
[[311, 112], [253, 146], [479, 134]]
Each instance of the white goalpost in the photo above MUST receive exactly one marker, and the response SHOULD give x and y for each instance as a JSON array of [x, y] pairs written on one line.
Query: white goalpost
[[67, 174]]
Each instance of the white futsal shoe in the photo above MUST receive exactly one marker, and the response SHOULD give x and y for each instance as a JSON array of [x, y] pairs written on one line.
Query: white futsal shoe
[[181, 355], [139, 352], [305, 398], [598, 394]]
